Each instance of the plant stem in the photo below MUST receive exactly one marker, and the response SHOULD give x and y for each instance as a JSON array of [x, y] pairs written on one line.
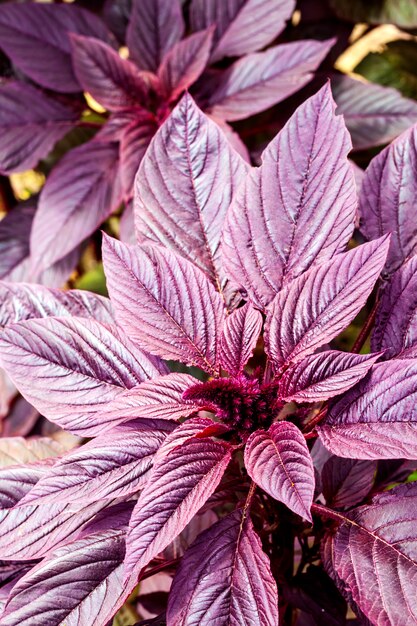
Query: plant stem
[[315, 420], [84, 124], [327, 513], [159, 568], [366, 329]]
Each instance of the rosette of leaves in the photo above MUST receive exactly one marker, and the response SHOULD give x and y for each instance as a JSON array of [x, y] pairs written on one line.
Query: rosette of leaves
[[229, 259], [61, 51]]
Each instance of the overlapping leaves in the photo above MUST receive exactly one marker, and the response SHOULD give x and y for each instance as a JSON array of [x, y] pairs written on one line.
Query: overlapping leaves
[[282, 231]]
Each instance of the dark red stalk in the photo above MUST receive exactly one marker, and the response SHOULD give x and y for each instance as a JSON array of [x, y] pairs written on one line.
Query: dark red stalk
[[327, 513], [315, 420], [158, 568], [366, 329]]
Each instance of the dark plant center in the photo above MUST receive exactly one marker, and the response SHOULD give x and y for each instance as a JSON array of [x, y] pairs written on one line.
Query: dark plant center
[[242, 403]]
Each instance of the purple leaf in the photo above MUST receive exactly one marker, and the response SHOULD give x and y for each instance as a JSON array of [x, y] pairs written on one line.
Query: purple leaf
[[20, 419], [29, 132], [259, 80], [346, 482], [396, 319], [160, 398], [63, 219], [127, 224], [177, 489], [134, 141], [16, 481], [233, 138], [358, 174], [55, 275], [278, 460], [373, 114], [240, 333], [103, 468], [78, 583], [373, 554], [31, 532], [14, 239], [185, 185], [22, 301], [298, 208], [377, 419], [324, 375], [35, 37], [116, 14], [324, 301], [15, 265], [224, 577], [164, 303], [184, 63], [242, 25], [154, 27], [194, 428], [114, 82], [388, 196], [68, 368]]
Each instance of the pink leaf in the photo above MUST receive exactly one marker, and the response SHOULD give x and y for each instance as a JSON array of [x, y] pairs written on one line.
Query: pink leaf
[[36, 38], [185, 185], [184, 63], [114, 82], [177, 489], [377, 419], [30, 532], [17, 480], [324, 375], [164, 303], [224, 573], [15, 266], [242, 26], [68, 368], [160, 398], [240, 333], [134, 141], [388, 197], [194, 428], [374, 114], [323, 300], [259, 80], [280, 463], [78, 583], [395, 328], [64, 219], [372, 555], [298, 208], [154, 27], [23, 301], [103, 468], [29, 132], [347, 482]]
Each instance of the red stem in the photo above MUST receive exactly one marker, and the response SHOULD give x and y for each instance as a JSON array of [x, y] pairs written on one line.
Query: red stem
[[323, 511], [158, 568], [315, 420], [363, 335], [82, 124]]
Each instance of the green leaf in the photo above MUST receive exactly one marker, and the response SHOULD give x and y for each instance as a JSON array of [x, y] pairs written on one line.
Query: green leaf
[[400, 12], [395, 66], [93, 280]]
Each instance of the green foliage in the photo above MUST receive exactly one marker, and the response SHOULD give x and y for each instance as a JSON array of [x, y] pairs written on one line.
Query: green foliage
[[395, 66], [400, 12]]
